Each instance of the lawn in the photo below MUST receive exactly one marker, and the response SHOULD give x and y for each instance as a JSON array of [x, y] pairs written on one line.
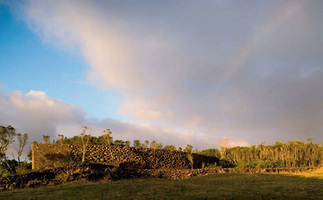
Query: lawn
[[216, 186]]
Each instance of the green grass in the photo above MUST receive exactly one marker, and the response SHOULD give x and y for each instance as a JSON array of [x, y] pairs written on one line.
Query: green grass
[[216, 186]]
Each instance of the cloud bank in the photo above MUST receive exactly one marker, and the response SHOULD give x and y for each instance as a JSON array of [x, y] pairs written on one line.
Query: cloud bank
[[249, 71], [38, 114]]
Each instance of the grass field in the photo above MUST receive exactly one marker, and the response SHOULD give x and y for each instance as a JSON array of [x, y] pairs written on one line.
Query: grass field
[[217, 186]]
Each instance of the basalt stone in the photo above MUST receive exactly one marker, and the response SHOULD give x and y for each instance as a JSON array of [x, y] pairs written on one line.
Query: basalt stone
[[54, 155]]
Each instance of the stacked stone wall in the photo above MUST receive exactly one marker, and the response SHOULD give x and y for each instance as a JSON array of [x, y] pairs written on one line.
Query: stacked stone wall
[[53, 155], [56, 155]]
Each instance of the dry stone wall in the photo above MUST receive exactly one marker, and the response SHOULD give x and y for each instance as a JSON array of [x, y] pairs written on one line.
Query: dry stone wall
[[56, 155], [45, 155]]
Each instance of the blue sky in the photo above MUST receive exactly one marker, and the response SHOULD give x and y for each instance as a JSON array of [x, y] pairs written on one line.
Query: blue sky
[[185, 72], [59, 72]]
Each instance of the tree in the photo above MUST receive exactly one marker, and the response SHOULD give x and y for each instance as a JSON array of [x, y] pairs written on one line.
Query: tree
[[145, 145], [61, 139], [156, 145], [170, 147], [106, 137], [22, 143], [159, 146], [310, 140], [281, 154], [224, 144], [119, 142], [127, 143], [211, 152], [46, 139], [188, 148], [153, 144], [136, 143], [6, 138], [85, 140]]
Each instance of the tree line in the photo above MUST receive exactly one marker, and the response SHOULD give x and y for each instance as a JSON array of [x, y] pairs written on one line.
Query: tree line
[[85, 139], [279, 155]]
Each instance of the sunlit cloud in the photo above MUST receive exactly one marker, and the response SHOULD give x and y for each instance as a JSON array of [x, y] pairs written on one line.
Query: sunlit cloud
[[38, 114], [201, 71]]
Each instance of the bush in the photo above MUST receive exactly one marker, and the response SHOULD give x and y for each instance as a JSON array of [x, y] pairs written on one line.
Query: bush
[[226, 164], [14, 167], [23, 167], [214, 165], [9, 165], [4, 172]]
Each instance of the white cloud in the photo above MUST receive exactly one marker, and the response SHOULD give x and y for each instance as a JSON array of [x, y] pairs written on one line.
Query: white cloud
[[219, 69], [38, 114]]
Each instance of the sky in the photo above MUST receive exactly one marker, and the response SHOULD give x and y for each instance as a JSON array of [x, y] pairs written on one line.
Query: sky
[[178, 72]]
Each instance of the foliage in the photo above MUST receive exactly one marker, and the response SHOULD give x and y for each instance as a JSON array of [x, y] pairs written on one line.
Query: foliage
[[23, 167], [170, 147], [190, 159], [46, 139], [155, 145], [121, 143], [13, 166], [85, 140], [279, 155], [136, 143], [29, 155], [210, 152], [188, 148], [145, 145], [9, 165], [214, 165], [226, 164], [22, 139], [6, 138], [106, 137]]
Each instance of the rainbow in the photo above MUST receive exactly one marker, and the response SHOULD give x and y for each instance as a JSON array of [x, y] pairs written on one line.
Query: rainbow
[[266, 29]]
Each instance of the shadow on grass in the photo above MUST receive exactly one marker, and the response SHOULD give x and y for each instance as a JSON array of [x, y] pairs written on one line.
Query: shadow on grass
[[215, 186]]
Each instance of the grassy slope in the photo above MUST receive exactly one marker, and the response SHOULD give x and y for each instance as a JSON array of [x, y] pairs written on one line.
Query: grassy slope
[[308, 185]]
